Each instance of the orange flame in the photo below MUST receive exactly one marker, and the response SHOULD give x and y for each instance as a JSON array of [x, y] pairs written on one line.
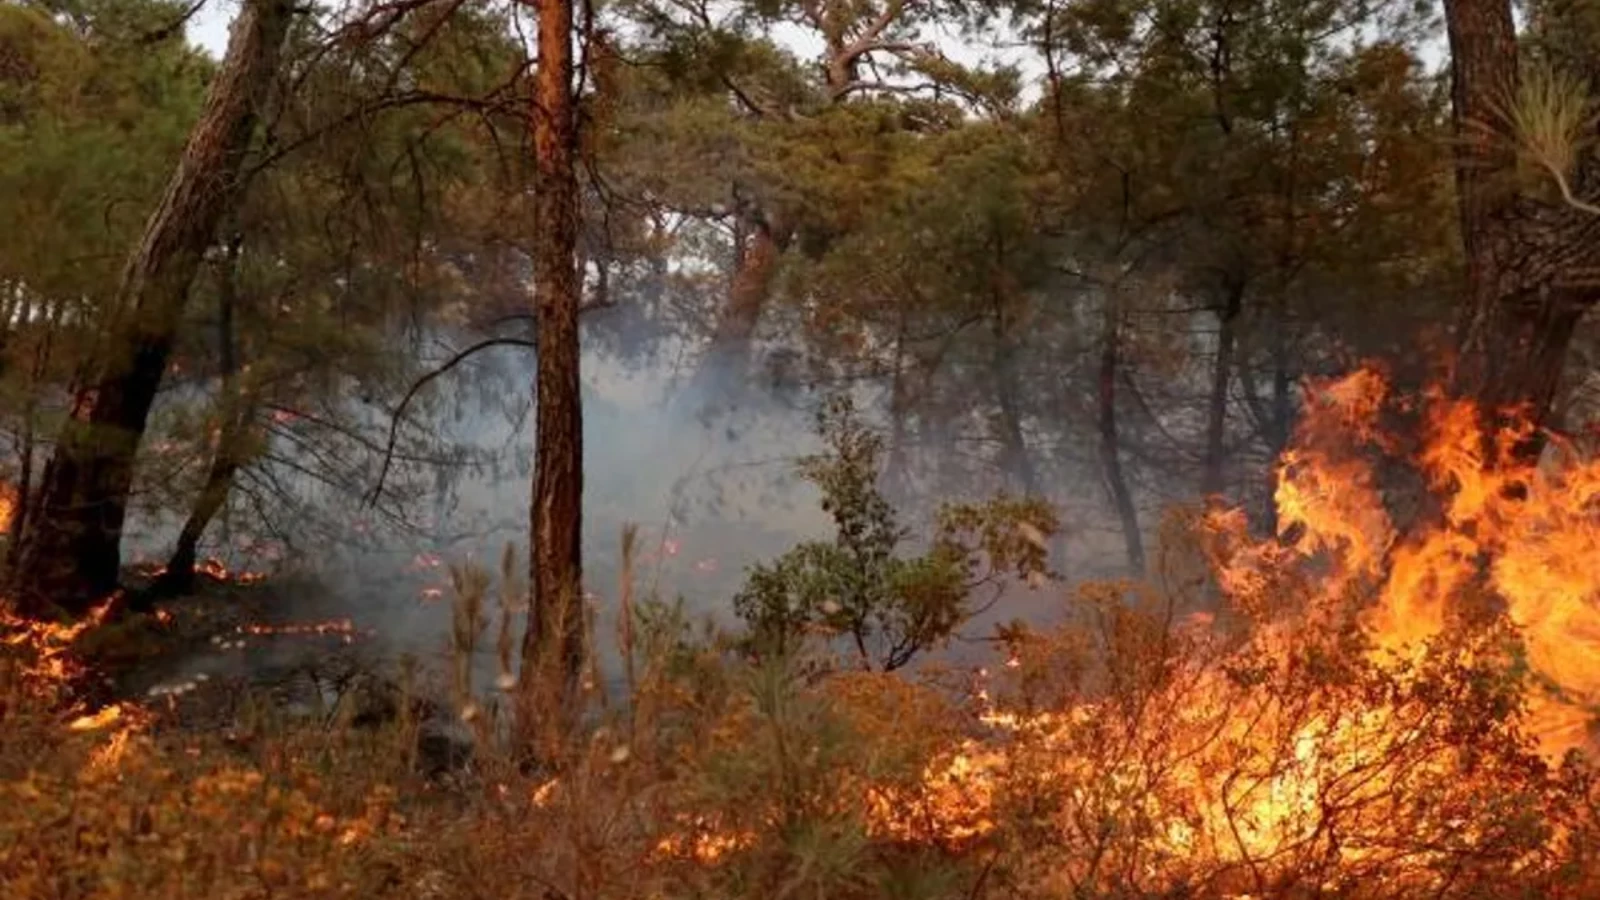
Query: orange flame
[[211, 567], [1247, 771], [9, 497]]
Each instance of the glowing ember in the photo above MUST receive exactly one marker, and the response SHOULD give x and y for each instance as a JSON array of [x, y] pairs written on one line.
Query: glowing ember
[[211, 567], [106, 716], [702, 843], [109, 755], [545, 793], [425, 561], [215, 569], [49, 643], [340, 628], [8, 506]]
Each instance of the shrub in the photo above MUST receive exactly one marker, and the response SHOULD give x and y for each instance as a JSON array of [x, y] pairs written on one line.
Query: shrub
[[885, 606]]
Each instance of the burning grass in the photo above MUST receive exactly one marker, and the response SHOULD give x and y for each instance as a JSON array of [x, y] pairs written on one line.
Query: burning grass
[[1356, 707]]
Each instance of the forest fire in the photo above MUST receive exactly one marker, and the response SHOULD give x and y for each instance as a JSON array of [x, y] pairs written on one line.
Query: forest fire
[[47, 646], [1343, 711], [1508, 533], [1311, 722], [1367, 702]]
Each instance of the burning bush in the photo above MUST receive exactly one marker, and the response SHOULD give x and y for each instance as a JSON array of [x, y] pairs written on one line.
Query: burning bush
[[1374, 707]]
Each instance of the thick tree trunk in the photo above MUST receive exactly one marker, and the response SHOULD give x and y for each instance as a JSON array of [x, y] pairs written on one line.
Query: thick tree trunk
[[72, 554], [1211, 477], [1275, 416], [1533, 265], [11, 304], [1110, 444], [555, 617], [1016, 462]]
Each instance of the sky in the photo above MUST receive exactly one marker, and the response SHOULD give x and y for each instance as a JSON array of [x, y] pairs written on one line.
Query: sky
[[209, 27]]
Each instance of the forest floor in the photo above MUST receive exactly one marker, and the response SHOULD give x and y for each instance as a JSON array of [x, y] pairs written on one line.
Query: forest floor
[[197, 656]]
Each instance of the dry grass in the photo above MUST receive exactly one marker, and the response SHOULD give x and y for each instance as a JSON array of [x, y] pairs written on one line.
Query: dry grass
[[717, 778]]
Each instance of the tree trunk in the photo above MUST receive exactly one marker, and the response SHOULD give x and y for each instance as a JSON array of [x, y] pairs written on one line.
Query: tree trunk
[[1015, 460], [1211, 477], [236, 411], [72, 554], [555, 611], [1531, 263], [725, 370], [1110, 450]]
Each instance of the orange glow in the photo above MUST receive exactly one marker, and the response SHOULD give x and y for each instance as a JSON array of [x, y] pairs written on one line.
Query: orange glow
[[50, 643], [1234, 753], [106, 716], [8, 506], [211, 567], [702, 843], [344, 629], [215, 569]]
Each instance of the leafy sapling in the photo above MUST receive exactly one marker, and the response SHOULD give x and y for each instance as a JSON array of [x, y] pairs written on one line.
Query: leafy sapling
[[861, 589]]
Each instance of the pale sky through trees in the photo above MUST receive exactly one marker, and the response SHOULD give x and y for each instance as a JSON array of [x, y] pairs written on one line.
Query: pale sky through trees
[[209, 29]]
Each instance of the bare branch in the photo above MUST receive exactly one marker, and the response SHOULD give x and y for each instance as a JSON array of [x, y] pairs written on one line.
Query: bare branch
[[172, 28], [416, 386]]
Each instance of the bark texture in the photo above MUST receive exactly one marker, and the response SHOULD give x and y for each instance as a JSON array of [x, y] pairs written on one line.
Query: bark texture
[[71, 557], [1533, 261], [555, 618]]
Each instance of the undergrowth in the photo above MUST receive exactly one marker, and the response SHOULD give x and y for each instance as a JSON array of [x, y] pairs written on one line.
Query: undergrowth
[[1134, 751], [803, 776]]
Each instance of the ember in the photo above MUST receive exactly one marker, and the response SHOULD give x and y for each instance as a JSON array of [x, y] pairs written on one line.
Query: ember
[[8, 506], [214, 568], [211, 567], [341, 628]]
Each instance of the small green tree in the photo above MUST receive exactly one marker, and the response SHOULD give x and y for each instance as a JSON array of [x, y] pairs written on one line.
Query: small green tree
[[888, 607]]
